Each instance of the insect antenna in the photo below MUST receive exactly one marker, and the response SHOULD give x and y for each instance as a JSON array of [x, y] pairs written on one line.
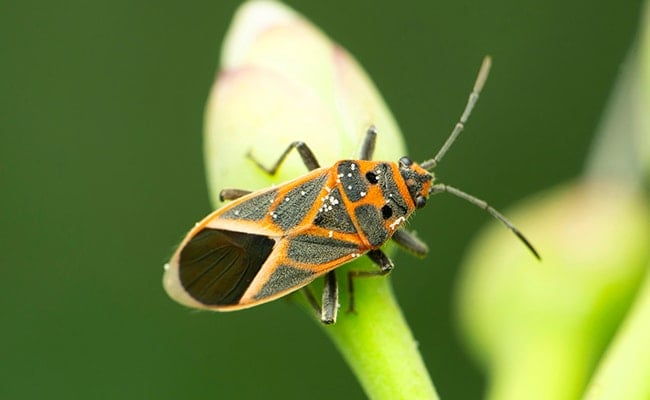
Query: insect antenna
[[441, 187], [460, 125], [429, 165]]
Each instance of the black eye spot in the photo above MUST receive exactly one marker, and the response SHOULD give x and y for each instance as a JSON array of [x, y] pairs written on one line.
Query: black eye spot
[[371, 177], [420, 202], [386, 211]]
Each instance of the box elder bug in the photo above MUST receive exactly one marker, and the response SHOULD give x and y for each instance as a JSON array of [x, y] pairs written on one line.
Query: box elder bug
[[269, 243]]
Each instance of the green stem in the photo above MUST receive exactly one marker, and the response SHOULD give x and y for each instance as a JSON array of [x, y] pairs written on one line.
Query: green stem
[[377, 343]]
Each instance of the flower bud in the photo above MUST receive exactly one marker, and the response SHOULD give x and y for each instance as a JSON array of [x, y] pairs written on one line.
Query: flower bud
[[283, 80], [540, 327]]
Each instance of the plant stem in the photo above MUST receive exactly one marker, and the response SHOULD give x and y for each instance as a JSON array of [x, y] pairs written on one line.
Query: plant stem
[[377, 343]]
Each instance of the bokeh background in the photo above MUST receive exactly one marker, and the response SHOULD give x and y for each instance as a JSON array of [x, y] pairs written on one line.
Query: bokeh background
[[101, 173]]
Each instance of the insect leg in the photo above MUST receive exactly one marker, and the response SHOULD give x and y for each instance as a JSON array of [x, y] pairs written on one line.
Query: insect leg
[[385, 266], [305, 152], [327, 312], [410, 242], [368, 146], [232, 194], [330, 299], [312, 300]]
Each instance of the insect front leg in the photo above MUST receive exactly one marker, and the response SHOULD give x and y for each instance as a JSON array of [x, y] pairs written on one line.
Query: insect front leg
[[329, 307], [305, 152], [410, 242], [385, 266]]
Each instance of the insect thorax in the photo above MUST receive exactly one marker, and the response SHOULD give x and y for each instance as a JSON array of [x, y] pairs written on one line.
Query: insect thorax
[[379, 199]]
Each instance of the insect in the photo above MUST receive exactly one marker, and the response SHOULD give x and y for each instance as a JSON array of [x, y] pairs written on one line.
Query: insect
[[269, 243]]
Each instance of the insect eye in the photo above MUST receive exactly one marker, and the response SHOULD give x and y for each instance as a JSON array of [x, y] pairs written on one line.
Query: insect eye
[[405, 162], [420, 202], [371, 177], [386, 211]]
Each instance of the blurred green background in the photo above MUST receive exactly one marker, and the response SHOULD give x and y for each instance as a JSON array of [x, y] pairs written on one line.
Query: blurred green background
[[101, 173]]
